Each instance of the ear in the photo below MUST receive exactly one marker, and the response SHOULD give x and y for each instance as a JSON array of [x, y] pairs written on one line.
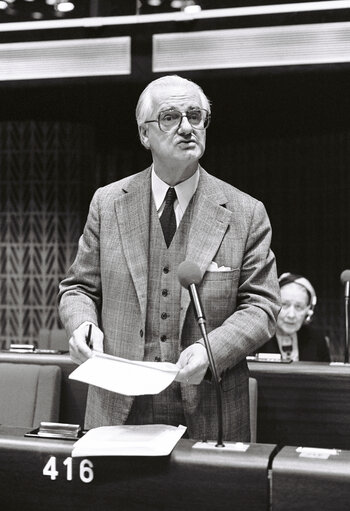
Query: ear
[[143, 133]]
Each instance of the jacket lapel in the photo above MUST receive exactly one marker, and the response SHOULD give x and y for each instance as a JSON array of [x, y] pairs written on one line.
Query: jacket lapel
[[209, 223], [133, 217]]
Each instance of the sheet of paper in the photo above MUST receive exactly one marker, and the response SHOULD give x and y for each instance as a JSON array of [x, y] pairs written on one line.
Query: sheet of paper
[[128, 377], [145, 440]]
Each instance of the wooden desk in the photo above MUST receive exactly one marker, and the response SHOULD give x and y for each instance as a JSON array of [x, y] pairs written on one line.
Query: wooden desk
[[303, 403], [188, 479]]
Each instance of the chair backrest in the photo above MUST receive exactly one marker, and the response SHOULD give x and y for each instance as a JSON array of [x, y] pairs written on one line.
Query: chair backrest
[[55, 339], [253, 407], [29, 394]]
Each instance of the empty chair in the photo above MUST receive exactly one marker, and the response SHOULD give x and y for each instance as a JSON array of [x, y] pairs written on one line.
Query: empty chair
[[29, 394], [253, 407], [54, 339]]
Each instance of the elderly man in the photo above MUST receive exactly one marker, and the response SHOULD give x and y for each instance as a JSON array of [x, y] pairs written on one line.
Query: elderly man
[[124, 278]]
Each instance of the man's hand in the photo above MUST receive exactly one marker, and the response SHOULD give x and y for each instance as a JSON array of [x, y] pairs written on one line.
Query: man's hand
[[78, 348], [193, 364]]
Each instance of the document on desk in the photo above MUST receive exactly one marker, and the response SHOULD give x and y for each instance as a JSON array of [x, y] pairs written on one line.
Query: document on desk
[[143, 440], [128, 377]]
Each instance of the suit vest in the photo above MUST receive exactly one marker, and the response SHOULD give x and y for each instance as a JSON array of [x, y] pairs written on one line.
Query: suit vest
[[163, 307]]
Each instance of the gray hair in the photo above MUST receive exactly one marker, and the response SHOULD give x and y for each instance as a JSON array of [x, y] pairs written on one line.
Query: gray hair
[[145, 103]]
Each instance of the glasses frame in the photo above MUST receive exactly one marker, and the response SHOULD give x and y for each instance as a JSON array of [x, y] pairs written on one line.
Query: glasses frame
[[183, 114]]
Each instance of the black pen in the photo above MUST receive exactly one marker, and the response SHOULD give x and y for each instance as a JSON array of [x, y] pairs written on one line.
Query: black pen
[[88, 339]]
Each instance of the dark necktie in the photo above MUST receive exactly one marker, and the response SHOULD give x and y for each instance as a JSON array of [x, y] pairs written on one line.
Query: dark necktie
[[168, 219]]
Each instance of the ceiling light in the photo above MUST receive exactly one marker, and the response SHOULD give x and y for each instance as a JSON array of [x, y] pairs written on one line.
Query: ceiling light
[[191, 9], [154, 3], [37, 15], [64, 6], [176, 4]]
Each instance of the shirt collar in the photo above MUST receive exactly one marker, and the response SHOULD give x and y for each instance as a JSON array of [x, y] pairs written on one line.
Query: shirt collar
[[184, 190]]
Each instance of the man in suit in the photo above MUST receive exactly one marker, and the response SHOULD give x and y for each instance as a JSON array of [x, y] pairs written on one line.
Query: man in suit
[[124, 278]]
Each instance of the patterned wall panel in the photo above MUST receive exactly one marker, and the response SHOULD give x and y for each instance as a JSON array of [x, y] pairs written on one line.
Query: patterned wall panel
[[43, 169]]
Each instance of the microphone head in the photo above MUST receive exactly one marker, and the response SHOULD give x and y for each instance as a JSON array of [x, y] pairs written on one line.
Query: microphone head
[[189, 273], [345, 276]]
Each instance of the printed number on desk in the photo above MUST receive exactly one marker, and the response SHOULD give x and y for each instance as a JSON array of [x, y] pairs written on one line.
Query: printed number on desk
[[86, 473]]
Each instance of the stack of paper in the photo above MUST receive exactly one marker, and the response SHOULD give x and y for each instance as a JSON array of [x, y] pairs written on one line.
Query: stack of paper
[[128, 377], [145, 440]]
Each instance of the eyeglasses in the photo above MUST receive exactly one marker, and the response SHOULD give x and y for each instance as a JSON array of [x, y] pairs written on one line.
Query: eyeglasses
[[167, 120], [299, 309]]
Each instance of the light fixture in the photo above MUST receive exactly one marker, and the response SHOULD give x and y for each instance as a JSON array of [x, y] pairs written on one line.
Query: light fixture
[[64, 6], [3, 5], [191, 9], [154, 3], [176, 4], [189, 6]]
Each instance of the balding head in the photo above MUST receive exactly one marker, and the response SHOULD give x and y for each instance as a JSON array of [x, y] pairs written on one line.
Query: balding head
[[145, 103]]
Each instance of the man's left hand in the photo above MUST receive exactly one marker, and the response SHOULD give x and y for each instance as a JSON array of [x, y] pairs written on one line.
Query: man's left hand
[[193, 364]]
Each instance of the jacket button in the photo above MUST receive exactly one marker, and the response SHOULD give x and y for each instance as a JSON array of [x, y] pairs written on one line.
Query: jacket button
[[164, 292], [164, 315], [141, 333], [166, 269], [163, 338]]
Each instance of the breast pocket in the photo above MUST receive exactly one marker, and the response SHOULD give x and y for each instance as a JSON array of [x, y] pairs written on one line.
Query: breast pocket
[[218, 292]]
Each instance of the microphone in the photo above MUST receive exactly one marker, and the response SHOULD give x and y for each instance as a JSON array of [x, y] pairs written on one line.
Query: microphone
[[190, 275], [345, 279]]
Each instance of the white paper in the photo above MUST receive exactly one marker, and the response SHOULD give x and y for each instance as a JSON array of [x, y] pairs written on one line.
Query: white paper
[[128, 377], [144, 440], [317, 452], [228, 446]]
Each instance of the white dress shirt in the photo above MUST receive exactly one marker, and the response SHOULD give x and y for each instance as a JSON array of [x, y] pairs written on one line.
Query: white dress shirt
[[184, 192]]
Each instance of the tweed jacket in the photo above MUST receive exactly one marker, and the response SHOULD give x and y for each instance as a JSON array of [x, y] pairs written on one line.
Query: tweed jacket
[[107, 285]]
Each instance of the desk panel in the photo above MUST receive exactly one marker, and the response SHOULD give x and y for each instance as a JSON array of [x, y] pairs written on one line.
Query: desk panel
[[188, 479], [303, 403], [73, 393], [311, 482]]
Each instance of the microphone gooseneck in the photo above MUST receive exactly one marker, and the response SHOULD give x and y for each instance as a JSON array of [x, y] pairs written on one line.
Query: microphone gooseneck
[[189, 275], [345, 279]]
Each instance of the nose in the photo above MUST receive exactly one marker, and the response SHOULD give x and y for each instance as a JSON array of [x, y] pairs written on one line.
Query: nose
[[291, 312], [185, 126]]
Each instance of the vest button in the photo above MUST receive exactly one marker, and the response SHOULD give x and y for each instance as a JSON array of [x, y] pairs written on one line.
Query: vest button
[[157, 359], [166, 269], [164, 315], [164, 292], [141, 333], [163, 338]]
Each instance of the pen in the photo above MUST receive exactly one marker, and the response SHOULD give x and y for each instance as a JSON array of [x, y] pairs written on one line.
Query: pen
[[88, 339]]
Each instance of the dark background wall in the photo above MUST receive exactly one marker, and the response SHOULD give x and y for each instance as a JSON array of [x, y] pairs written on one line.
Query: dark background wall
[[281, 135]]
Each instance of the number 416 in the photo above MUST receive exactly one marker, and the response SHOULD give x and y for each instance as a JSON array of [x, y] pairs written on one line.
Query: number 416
[[86, 472]]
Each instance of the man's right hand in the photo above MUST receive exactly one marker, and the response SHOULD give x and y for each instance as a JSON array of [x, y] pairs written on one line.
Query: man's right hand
[[78, 348]]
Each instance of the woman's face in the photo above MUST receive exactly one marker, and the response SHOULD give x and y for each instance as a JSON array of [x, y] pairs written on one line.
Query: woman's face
[[295, 306]]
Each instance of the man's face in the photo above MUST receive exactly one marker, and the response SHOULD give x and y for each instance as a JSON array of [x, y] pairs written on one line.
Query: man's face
[[182, 144]]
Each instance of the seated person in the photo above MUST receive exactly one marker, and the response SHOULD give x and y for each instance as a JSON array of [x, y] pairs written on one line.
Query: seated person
[[294, 339]]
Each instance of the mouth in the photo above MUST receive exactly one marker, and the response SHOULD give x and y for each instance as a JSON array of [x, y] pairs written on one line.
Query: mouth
[[187, 142]]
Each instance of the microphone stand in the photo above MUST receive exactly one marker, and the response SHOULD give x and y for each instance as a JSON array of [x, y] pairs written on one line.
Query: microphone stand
[[346, 302], [202, 325]]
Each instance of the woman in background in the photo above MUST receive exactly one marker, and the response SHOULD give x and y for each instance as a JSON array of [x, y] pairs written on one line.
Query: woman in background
[[294, 339]]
